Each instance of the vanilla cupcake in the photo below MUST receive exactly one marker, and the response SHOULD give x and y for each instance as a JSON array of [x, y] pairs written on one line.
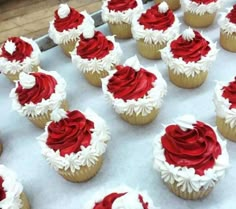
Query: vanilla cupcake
[[189, 58], [228, 30], [225, 103], [37, 94], [67, 26], [11, 191], [173, 4], [200, 13], [136, 93], [18, 54], [190, 157], [95, 55], [121, 197], [74, 143], [153, 29], [119, 15]]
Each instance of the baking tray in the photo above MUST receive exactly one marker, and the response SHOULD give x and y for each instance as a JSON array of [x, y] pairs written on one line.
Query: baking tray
[[129, 158]]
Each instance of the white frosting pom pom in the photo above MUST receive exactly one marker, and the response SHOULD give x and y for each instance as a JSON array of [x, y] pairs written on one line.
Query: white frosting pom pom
[[58, 114], [26, 80], [10, 47], [188, 34], [185, 122], [63, 11], [163, 7], [88, 32], [133, 62]]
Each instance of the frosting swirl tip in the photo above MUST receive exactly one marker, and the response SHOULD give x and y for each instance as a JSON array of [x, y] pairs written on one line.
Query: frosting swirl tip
[[133, 62], [27, 81], [185, 122], [163, 7], [58, 114], [188, 34], [63, 11], [10, 47]]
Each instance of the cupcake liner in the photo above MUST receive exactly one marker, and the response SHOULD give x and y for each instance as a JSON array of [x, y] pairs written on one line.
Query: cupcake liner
[[139, 119], [94, 78], [149, 51], [173, 4], [15, 77], [84, 173], [25, 202], [228, 41], [181, 80], [225, 129], [41, 120], [68, 47], [198, 21], [122, 30], [188, 195], [1, 148]]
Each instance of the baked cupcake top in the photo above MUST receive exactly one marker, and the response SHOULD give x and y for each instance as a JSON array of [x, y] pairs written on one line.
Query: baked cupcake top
[[190, 53], [227, 21], [10, 189], [201, 7], [96, 52], [68, 24], [133, 88], [157, 24], [225, 101], [18, 54], [121, 197], [74, 139], [121, 11], [190, 153], [38, 92]]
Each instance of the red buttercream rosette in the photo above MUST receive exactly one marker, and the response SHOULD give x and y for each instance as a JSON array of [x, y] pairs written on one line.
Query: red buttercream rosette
[[229, 92], [121, 5], [232, 15], [2, 192]]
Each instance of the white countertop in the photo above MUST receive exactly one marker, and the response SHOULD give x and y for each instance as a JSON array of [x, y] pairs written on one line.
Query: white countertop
[[129, 157]]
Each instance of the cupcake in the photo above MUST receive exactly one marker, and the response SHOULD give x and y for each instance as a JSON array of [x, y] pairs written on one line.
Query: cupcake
[[11, 191], [173, 4], [153, 29], [121, 197], [74, 143], [225, 103], [67, 26], [37, 94], [95, 55], [200, 13], [189, 58], [190, 157], [18, 54], [228, 30], [135, 92], [119, 14]]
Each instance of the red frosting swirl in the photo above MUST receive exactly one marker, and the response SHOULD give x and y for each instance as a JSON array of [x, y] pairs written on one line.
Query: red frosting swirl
[[96, 47], [2, 192], [128, 84], [196, 148], [121, 5], [107, 202], [44, 87], [229, 92], [23, 50], [232, 15], [153, 19], [204, 1], [73, 20], [190, 51], [69, 134]]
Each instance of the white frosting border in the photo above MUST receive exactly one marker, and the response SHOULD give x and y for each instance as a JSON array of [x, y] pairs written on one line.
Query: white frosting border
[[98, 65], [225, 24], [99, 196], [13, 189], [186, 177], [222, 105], [120, 17], [72, 34], [87, 156], [144, 105], [34, 110], [14, 66], [154, 36], [178, 65], [200, 9]]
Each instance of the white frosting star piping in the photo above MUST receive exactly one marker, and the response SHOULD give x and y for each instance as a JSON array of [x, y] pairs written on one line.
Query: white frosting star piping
[[188, 34]]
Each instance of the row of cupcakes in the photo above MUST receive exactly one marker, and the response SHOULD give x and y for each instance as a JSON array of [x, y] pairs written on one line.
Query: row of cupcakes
[[188, 154]]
